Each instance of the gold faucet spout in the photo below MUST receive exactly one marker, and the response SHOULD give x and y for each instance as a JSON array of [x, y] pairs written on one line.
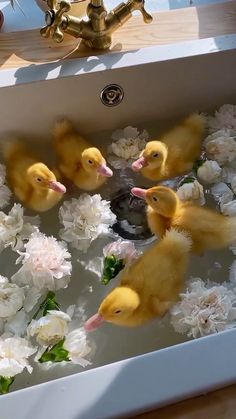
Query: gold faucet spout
[[97, 30]]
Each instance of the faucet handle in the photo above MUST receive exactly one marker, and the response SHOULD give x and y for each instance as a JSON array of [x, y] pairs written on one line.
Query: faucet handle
[[139, 5], [54, 19], [146, 16]]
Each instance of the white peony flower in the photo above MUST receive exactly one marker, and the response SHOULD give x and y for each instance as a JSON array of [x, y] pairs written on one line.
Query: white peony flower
[[228, 208], [77, 346], [84, 219], [225, 118], [51, 328], [221, 146], [32, 296], [209, 172], [11, 298], [15, 228], [45, 264], [192, 191], [17, 324], [222, 193], [121, 249], [14, 352], [126, 148], [204, 310], [228, 173]]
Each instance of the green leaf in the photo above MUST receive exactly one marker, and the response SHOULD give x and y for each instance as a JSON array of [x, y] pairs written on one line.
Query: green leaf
[[112, 266], [49, 303], [55, 354], [5, 383], [188, 179], [198, 163]]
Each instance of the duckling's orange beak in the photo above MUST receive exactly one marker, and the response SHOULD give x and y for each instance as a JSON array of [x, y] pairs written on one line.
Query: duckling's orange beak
[[94, 322], [139, 164], [140, 193], [105, 171], [56, 186]]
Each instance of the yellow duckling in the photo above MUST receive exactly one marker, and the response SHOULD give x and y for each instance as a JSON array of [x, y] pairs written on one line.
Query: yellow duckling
[[30, 180], [176, 151], [208, 229], [149, 287], [83, 164]]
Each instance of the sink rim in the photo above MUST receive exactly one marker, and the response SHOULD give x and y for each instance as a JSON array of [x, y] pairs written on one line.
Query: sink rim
[[190, 362], [106, 62]]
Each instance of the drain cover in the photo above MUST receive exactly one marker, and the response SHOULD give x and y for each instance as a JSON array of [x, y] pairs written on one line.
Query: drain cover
[[131, 216], [112, 95]]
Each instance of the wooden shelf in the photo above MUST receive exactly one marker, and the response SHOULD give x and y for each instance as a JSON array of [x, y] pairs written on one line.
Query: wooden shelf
[[220, 404], [24, 48]]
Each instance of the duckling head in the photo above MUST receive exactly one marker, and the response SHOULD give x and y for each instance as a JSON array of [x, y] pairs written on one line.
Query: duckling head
[[92, 160], [153, 156], [163, 200], [118, 307], [40, 177]]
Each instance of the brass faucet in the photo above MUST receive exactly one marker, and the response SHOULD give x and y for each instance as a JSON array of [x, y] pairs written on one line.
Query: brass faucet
[[97, 31]]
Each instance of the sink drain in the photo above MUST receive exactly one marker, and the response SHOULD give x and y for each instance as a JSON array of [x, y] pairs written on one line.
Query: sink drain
[[112, 95], [131, 216]]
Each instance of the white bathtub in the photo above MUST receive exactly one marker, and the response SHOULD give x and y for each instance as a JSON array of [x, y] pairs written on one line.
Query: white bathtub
[[159, 84]]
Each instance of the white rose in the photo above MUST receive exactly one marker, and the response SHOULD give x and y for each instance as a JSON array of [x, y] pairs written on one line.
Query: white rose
[[77, 346], [222, 193], [192, 191], [51, 328], [127, 147], [221, 147], [228, 208], [228, 173], [209, 172], [224, 118]]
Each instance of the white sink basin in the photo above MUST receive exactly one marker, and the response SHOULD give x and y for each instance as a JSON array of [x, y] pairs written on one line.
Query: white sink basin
[[136, 369]]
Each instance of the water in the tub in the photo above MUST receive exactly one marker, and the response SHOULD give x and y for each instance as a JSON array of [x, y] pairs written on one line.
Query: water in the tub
[[112, 343]]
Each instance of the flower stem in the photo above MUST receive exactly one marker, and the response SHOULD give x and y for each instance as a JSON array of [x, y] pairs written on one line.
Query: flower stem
[[56, 353], [49, 303], [5, 383]]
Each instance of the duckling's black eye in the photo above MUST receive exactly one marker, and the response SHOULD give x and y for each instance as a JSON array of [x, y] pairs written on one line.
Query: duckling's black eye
[[38, 179], [155, 155], [117, 311], [154, 199], [90, 162]]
